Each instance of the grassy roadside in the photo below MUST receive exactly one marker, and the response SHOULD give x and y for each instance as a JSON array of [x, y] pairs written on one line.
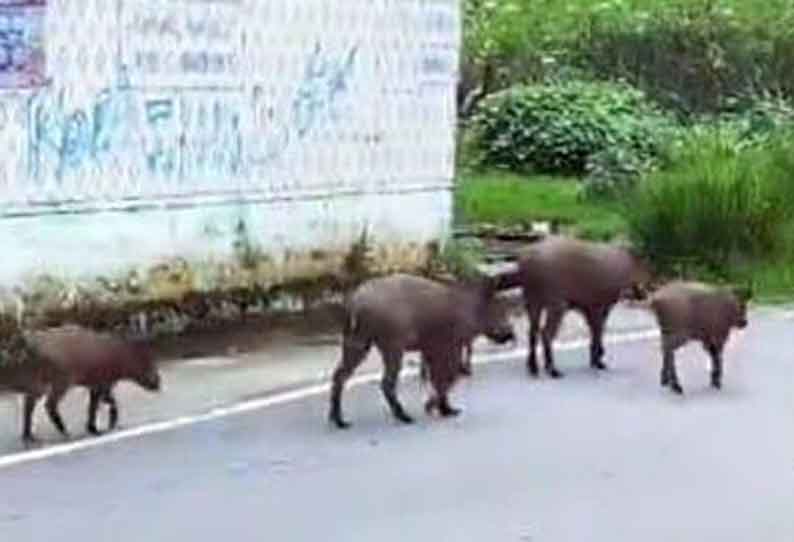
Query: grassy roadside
[[508, 199]]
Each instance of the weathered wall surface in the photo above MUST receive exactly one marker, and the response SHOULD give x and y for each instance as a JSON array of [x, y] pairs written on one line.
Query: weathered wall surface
[[136, 130]]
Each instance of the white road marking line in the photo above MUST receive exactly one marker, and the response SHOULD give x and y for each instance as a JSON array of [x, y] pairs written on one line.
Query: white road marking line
[[210, 362], [66, 448]]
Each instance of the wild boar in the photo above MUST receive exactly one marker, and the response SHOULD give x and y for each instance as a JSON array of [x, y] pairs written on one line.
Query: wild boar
[[557, 274], [689, 310], [405, 313], [78, 356]]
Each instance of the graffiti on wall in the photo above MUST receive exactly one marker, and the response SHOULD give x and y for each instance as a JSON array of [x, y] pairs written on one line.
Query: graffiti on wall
[[185, 135], [326, 79], [133, 133], [182, 43], [212, 96], [22, 55]]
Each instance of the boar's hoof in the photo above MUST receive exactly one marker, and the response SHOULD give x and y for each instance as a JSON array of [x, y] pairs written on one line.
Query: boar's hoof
[[92, 430], [30, 440], [676, 387], [339, 422], [404, 418], [465, 370], [532, 370], [554, 372], [447, 411], [430, 405], [599, 365], [716, 384]]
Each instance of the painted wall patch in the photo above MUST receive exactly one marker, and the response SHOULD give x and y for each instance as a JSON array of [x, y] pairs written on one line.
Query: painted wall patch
[[22, 54]]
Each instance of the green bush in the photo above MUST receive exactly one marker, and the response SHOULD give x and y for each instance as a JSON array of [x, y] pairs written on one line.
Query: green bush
[[718, 204], [557, 128], [696, 56], [613, 173], [693, 56], [758, 118], [512, 41]]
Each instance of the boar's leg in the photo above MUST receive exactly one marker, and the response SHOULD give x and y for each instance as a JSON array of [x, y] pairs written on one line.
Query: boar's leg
[[464, 369], [353, 354], [57, 392], [101, 394], [113, 414], [441, 402], [533, 313], [554, 316], [669, 376], [444, 408], [93, 406], [423, 371], [444, 370], [596, 320], [715, 351], [27, 418], [465, 364], [392, 364]]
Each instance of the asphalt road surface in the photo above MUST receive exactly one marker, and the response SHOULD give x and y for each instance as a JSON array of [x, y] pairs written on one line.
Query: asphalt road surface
[[609, 457]]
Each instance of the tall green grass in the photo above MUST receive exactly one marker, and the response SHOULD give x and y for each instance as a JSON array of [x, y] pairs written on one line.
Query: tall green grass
[[508, 199], [719, 206]]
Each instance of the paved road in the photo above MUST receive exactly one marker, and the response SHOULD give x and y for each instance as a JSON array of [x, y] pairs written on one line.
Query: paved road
[[589, 458], [287, 361]]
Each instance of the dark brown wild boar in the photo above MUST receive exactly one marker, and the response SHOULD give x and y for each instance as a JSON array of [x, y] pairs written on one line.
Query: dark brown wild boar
[[97, 361], [688, 310], [404, 313], [557, 274]]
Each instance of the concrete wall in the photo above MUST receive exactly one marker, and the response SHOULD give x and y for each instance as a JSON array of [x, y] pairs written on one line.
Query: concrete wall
[[136, 130]]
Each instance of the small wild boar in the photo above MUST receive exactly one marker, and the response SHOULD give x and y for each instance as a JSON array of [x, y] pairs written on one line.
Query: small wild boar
[[405, 313], [78, 356], [557, 274], [688, 310]]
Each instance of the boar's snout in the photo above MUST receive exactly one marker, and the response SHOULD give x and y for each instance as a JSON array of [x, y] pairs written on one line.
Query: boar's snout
[[495, 323], [742, 322]]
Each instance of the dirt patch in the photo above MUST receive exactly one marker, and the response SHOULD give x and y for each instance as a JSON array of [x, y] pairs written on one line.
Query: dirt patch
[[321, 325]]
